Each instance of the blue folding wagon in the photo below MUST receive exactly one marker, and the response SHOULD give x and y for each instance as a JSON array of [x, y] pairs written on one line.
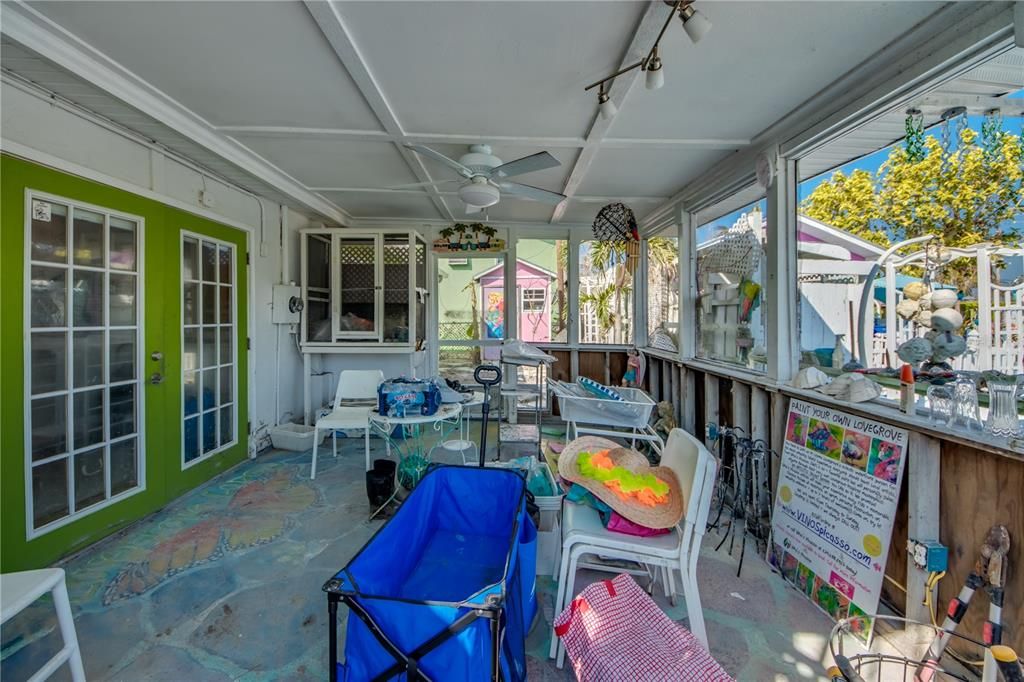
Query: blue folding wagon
[[444, 590]]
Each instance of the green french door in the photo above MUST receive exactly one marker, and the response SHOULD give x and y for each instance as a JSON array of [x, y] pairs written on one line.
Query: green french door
[[125, 336]]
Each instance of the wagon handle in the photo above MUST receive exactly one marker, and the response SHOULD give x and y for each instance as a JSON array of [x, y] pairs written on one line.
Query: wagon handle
[[487, 376]]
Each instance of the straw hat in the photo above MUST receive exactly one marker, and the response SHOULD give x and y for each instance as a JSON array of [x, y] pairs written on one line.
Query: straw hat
[[665, 514]]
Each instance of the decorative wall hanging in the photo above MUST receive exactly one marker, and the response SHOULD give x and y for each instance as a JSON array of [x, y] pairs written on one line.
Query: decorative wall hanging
[[462, 237]]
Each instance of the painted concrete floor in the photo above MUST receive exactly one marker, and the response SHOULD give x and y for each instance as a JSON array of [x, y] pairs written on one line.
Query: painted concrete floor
[[225, 584]]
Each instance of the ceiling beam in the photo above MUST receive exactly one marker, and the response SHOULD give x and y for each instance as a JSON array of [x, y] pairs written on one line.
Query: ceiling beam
[[26, 26], [643, 37], [975, 104], [586, 199], [333, 26]]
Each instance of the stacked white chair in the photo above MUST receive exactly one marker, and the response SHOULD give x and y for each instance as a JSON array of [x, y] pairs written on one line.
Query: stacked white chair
[[354, 386], [18, 590], [583, 534]]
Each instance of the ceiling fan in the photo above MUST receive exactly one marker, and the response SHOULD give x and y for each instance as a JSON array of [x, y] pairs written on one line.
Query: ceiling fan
[[483, 174]]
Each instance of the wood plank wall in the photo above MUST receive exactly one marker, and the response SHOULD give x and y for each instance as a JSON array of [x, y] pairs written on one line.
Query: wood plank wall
[[978, 489]]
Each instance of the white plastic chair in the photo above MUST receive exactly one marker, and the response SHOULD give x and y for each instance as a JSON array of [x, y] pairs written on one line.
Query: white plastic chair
[[583, 533], [18, 590], [353, 385]]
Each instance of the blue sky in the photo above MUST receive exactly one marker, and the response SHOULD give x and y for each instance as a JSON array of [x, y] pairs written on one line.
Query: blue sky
[[871, 163]]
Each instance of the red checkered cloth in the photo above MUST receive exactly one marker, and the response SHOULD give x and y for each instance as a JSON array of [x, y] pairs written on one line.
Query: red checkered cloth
[[614, 632]]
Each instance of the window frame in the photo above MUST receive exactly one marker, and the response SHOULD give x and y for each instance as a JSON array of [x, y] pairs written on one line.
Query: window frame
[[31, 531]]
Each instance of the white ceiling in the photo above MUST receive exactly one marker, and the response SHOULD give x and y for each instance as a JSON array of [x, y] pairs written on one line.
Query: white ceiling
[[328, 94]]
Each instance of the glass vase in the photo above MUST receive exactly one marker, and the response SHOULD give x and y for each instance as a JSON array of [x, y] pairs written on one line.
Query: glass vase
[[1002, 420], [940, 404]]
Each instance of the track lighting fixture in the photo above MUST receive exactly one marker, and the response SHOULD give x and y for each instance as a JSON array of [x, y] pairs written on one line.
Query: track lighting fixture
[[655, 75], [696, 26], [695, 23], [606, 105]]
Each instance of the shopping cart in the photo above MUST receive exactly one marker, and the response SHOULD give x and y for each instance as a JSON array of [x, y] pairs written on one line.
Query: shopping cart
[[886, 667]]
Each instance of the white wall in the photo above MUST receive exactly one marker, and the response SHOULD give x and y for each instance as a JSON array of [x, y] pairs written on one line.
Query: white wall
[[41, 131]]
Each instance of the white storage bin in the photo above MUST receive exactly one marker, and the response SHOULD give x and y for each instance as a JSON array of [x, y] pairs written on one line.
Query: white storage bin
[[549, 543], [633, 411], [297, 437]]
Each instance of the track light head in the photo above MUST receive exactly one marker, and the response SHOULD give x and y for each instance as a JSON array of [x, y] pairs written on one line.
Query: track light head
[[695, 23], [606, 105], [655, 74]]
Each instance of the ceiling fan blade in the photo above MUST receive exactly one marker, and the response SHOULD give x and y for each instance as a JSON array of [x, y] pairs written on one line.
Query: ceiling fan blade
[[423, 184], [442, 159], [527, 164], [530, 192]]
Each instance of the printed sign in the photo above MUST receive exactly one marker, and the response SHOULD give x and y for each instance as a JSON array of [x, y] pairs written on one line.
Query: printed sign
[[41, 211], [839, 483]]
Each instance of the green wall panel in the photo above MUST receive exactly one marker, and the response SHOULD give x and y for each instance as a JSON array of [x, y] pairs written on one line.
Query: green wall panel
[[161, 296]]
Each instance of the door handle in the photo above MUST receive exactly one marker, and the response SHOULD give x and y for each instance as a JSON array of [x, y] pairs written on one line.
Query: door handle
[[157, 377]]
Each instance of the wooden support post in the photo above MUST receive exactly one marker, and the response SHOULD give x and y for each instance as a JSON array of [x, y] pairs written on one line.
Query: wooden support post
[[654, 377], [923, 463], [710, 404], [673, 383], [666, 381], [760, 414], [741, 406], [689, 417], [607, 368], [780, 415]]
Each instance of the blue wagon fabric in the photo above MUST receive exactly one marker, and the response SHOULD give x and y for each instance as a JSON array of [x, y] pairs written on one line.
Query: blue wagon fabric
[[459, 553]]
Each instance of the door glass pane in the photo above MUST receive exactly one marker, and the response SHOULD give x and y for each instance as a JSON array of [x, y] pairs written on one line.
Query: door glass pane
[[191, 438], [122, 244], [209, 304], [224, 260], [226, 385], [87, 238], [396, 288], [90, 481], [357, 299], [122, 300], [190, 350], [49, 492], [208, 353], [606, 293], [104, 255], [209, 264], [191, 393], [88, 298], [123, 466], [49, 232], [49, 362], [48, 296], [49, 426], [209, 431], [226, 426], [189, 258], [191, 303], [225, 305], [122, 355], [542, 290], [225, 345], [122, 410], [209, 346], [88, 418], [470, 299], [88, 357]]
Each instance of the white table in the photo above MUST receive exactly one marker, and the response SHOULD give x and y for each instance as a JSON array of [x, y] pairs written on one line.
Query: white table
[[18, 590], [410, 446], [464, 444]]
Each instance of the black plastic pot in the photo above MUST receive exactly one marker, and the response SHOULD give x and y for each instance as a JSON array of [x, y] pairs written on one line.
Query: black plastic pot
[[380, 481]]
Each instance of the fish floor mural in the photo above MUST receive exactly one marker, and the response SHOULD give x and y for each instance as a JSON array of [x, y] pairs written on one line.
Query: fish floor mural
[[225, 584]]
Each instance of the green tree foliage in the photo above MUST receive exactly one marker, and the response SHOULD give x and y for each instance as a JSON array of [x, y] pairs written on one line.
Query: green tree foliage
[[965, 199]]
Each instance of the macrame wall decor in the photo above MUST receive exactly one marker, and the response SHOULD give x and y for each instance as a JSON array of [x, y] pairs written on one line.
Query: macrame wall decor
[[616, 223]]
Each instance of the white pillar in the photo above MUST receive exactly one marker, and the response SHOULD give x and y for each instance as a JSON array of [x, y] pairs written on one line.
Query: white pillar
[[780, 291], [687, 284]]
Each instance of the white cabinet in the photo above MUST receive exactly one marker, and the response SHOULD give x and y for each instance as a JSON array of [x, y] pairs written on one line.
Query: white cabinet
[[363, 289]]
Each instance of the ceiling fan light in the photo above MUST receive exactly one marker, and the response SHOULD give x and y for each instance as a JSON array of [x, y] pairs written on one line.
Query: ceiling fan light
[[481, 194], [655, 75], [695, 23], [606, 105]]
